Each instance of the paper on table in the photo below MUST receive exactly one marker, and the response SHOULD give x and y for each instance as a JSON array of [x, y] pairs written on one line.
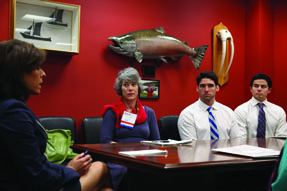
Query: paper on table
[[250, 151], [168, 142], [144, 152]]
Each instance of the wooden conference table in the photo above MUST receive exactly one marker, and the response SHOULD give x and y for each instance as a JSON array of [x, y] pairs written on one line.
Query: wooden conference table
[[193, 167]]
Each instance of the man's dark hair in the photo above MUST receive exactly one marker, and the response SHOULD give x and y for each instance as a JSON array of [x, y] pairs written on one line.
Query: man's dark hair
[[207, 74], [261, 76]]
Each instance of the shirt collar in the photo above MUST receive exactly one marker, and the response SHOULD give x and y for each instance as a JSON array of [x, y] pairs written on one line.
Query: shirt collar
[[255, 102], [205, 107]]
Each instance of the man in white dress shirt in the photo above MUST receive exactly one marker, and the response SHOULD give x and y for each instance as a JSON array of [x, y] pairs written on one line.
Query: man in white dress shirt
[[247, 113], [193, 122]]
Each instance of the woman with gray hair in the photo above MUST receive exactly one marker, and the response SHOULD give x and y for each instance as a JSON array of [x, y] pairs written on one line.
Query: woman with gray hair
[[128, 74], [127, 121]]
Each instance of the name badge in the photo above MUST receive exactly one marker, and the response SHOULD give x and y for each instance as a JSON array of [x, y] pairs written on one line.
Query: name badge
[[128, 119]]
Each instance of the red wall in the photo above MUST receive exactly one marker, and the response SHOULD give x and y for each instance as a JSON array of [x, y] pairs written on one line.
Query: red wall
[[266, 45], [79, 86], [4, 13], [279, 51], [259, 38]]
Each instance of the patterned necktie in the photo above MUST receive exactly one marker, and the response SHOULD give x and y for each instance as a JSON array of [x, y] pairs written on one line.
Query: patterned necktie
[[261, 121], [213, 126]]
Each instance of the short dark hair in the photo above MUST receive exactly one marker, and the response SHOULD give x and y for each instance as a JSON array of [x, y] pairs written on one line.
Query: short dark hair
[[207, 74], [17, 58], [261, 76]]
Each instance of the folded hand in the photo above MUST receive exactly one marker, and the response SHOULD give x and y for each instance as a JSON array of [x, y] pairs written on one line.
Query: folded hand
[[80, 164]]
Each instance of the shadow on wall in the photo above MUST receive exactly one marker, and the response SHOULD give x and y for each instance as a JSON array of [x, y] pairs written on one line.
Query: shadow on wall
[[55, 65]]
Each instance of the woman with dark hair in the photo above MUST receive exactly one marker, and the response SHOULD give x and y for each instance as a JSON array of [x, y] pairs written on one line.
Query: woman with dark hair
[[127, 121], [23, 139]]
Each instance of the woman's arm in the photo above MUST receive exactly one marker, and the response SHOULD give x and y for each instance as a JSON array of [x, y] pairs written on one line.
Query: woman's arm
[[108, 126], [154, 131]]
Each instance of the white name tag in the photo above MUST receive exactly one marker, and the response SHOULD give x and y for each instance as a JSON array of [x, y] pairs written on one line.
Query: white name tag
[[128, 119]]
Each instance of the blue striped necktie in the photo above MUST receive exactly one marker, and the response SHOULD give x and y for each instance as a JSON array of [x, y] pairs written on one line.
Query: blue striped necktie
[[261, 127], [213, 126]]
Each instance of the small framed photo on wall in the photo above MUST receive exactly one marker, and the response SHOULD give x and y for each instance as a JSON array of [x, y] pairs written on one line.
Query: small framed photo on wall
[[150, 89]]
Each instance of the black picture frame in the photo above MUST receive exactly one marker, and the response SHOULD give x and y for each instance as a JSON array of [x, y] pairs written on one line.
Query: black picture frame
[[154, 84]]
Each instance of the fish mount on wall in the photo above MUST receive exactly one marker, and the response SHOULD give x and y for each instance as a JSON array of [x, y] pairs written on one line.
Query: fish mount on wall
[[155, 44]]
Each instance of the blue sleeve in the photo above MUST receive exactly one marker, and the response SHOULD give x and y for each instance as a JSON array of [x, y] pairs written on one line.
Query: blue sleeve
[[108, 126], [154, 131], [25, 143]]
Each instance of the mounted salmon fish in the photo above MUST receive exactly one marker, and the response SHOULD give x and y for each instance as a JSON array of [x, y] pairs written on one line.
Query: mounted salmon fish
[[155, 44]]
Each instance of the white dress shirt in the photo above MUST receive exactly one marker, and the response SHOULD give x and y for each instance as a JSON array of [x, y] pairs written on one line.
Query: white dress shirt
[[247, 118], [193, 122]]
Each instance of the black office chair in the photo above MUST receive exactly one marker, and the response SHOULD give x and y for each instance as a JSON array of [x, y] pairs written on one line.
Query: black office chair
[[59, 122], [92, 129], [168, 127]]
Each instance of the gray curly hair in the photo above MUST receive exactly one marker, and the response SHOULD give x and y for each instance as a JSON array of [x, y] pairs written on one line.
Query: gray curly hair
[[130, 74]]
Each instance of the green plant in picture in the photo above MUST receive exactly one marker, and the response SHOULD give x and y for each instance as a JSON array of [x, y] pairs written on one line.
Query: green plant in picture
[[143, 94]]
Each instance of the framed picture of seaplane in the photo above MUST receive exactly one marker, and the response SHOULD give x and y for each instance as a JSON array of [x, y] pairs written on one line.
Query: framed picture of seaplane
[[47, 24], [150, 89]]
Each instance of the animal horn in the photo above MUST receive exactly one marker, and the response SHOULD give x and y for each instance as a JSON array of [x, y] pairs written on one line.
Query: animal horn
[[222, 56], [225, 35], [231, 57]]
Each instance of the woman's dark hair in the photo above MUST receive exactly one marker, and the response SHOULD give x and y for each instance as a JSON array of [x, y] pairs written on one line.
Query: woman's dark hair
[[17, 58]]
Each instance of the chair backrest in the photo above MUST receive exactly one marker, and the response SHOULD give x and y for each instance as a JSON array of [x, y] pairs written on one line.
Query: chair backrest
[[59, 122], [92, 129], [168, 127]]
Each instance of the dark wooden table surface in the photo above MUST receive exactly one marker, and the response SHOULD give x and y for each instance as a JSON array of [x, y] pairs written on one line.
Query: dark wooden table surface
[[195, 166]]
